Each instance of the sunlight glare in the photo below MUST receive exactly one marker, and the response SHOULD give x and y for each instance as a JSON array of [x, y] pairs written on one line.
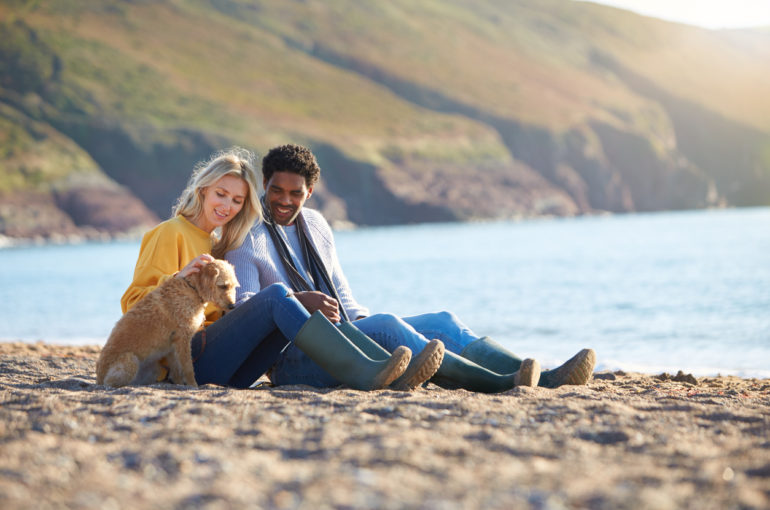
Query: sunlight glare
[[714, 14]]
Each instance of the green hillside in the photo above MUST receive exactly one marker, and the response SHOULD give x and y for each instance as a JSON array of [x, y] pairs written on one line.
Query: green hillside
[[418, 111]]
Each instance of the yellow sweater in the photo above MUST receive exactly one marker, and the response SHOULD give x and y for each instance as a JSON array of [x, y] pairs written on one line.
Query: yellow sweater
[[166, 249]]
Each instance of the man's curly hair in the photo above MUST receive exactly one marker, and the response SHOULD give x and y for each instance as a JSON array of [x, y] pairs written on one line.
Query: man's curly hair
[[291, 158]]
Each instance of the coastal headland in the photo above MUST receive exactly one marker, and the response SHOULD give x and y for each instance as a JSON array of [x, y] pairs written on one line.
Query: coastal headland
[[623, 441], [417, 113]]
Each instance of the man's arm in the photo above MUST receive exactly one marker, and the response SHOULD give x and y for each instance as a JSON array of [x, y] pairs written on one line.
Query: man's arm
[[246, 261], [314, 300], [354, 309], [340, 282]]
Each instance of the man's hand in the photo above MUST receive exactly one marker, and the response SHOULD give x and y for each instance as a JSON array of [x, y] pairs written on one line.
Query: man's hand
[[313, 300]]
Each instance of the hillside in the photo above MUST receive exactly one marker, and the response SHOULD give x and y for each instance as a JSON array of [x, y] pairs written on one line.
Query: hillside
[[428, 111]]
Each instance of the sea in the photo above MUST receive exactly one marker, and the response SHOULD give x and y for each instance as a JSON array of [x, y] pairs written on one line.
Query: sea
[[650, 293]]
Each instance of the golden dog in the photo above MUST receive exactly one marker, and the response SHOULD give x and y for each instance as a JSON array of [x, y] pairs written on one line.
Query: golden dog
[[161, 325]]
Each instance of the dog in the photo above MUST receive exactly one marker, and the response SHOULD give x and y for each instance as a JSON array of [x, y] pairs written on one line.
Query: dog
[[161, 325]]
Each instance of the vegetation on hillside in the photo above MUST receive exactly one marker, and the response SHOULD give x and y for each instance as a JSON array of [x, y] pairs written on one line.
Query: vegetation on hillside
[[559, 107]]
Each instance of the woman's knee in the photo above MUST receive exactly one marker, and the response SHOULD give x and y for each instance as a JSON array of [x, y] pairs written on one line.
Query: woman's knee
[[263, 300], [277, 290]]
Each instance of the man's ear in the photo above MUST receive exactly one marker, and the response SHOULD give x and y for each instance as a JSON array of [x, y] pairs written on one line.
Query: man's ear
[[309, 192]]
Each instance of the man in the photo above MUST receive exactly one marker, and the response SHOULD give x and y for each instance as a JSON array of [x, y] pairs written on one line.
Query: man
[[295, 246]]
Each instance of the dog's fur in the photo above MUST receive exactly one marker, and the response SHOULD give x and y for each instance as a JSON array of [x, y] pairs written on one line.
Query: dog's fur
[[161, 325]]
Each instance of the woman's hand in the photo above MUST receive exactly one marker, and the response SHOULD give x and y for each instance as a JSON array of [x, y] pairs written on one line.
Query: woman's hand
[[313, 300], [195, 265]]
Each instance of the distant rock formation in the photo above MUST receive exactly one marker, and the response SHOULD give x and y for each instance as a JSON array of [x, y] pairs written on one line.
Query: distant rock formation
[[73, 215]]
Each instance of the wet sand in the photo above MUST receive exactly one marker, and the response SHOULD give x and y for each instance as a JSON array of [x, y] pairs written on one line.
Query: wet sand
[[622, 441]]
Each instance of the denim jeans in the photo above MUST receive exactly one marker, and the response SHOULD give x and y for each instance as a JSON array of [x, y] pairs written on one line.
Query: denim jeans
[[243, 344], [388, 330], [445, 326]]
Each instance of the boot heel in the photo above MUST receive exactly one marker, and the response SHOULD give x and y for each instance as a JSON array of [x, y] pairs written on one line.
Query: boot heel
[[578, 370], [422, 367], [528, 374], [396, 366]]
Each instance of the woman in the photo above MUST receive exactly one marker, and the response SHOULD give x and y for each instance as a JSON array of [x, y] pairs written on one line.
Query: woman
[[236, 348]]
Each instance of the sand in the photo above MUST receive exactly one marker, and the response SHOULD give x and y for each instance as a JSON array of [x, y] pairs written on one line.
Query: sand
[[622, 441]]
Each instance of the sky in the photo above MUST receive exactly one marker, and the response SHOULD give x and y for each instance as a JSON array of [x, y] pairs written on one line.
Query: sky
[[713, 14]]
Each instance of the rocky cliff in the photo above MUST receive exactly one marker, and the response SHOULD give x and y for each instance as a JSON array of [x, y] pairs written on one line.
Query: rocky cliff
[[417, 112]]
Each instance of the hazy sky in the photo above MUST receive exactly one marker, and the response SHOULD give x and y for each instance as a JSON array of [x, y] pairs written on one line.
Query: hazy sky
[[705, 13]]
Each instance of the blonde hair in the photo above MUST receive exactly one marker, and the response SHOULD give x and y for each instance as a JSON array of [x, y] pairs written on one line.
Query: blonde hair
[[234, 161]]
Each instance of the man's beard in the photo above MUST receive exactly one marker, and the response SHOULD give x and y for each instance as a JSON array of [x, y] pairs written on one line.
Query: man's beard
[[286, 219]]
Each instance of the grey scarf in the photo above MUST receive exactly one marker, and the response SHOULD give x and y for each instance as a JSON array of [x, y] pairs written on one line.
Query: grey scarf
[[316, 267]]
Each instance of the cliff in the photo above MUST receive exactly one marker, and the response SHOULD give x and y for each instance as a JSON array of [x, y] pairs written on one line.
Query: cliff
[[444, 111]]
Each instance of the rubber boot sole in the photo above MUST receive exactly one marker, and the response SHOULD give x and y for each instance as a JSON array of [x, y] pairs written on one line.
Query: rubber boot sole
[[576, 371], [422, 367], [528, 374], [394, 369]]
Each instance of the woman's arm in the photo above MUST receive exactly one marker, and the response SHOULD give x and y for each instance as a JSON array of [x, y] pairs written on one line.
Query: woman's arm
[[164, 253], [157, 262]]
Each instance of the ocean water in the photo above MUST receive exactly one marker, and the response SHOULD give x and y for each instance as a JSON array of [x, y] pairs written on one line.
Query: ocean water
[[649, 292]]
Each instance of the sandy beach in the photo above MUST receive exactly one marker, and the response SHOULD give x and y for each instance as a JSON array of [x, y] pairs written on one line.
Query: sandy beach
[[623, 441]]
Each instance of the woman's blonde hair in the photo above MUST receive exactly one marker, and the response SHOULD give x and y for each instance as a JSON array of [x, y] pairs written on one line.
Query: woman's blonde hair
[[234, 161]]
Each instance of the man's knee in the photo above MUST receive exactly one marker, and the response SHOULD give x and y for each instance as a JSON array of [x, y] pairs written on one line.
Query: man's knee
[[446, 317], [389, 321], [436, 322]]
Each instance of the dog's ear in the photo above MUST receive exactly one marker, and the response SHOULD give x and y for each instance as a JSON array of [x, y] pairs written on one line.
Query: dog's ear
[[209, 274], [194, 278]]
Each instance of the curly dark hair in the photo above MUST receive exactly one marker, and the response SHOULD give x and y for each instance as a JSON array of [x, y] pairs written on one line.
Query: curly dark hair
[[291, 158]]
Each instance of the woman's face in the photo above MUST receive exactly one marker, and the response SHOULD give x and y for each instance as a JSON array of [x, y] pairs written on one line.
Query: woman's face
[[221, 202]]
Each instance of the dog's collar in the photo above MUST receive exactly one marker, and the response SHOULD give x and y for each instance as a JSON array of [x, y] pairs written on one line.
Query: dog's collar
[[193, 288]]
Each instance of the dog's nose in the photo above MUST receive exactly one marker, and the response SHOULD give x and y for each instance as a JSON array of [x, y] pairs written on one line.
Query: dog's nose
[[231, 306]]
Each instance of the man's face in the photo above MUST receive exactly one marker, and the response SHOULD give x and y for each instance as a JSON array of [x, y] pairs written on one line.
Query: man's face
[[285, 195]]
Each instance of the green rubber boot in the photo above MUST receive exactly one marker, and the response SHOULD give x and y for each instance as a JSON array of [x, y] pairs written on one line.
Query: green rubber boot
[[578, 370], [459, 372], [493, 356], [335, 353], [420, 369]]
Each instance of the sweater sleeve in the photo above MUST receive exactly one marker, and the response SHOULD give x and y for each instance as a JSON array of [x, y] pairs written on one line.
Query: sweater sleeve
[[340, 282], [158, 261], [244, 261]]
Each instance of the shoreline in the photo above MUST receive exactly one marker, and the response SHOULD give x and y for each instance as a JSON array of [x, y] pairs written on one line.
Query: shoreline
[[602, 366], [93, 235], [7, 242], [625, 440]]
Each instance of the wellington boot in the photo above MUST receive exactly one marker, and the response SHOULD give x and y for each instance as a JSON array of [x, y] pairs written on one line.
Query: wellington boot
[[577, 370], [420, 369], [528, 373], [493, 356], [458, 372], [335, 353]]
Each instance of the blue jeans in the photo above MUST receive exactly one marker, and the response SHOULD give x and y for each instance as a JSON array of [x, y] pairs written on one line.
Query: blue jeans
[[388, 330], [445, 326], [243, 344]]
